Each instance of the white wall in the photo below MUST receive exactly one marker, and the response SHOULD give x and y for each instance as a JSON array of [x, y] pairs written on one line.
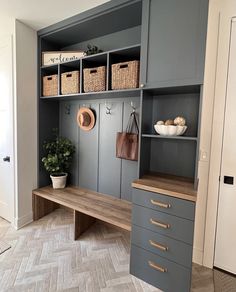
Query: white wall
[[25, 120], [206, 129]]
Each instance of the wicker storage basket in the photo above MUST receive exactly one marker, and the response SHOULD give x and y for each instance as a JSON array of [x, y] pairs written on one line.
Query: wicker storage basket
[[50, 85], [95, 79], [125, 75], [70, 82]]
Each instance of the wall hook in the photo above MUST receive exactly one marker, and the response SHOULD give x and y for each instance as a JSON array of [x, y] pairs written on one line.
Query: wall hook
[[133, 106], [67, 109], [108, 109]]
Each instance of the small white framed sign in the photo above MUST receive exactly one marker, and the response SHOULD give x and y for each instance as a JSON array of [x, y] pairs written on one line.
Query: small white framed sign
[[51, 58]]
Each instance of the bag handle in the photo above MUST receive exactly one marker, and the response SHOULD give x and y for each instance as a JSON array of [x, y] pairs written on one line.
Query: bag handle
[[132, 124]]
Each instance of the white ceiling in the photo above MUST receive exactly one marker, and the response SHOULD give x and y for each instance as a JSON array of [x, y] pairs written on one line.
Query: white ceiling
[[41, 13]]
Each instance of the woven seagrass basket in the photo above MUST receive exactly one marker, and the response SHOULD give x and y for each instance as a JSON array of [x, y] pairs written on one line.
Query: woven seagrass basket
[[70, 82], [125, 75], [50, 85], [95, 79]]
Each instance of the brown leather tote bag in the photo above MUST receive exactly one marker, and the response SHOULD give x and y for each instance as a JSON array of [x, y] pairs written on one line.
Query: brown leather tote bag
[[127, 142]]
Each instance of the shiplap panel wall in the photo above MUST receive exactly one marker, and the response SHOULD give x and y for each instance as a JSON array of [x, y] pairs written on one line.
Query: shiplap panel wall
[[95, 165]]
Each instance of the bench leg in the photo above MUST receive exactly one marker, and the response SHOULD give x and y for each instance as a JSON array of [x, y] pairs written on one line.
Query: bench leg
[[81, 223], [42, 207]]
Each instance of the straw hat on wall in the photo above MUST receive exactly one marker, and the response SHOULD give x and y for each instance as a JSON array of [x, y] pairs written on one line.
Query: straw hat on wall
[[85, 119]]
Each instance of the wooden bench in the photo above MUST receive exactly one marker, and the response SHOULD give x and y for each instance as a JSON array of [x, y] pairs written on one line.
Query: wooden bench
[[87, 205]]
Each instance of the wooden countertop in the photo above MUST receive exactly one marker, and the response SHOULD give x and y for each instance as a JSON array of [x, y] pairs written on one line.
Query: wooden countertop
[[168, 185]]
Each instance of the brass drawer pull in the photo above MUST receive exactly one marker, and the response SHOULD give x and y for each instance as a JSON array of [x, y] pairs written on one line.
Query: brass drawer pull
[[156, 267], [158, 245], [160, 224], [160, 204]]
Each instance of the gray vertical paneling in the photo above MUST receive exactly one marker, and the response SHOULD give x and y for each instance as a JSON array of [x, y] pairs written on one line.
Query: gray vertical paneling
[[88, 154], [69, 129], [109, 165], [129, 169]]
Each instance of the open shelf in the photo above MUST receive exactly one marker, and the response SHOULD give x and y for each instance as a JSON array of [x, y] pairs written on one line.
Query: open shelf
[[169, 137], [96, 95]]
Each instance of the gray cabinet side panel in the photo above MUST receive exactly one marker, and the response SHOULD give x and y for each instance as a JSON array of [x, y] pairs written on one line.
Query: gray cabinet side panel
[[88, 154], [69, 129], [109, 165], [129, 169]]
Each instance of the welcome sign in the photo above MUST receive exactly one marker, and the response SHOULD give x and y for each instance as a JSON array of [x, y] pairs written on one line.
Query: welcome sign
[[51, 58]]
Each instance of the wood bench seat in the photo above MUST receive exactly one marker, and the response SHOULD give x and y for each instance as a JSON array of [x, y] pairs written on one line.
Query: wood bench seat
[[87, 205]]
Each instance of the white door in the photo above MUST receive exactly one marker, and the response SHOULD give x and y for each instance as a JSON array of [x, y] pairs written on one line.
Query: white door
[[6, 131], [225, 249]]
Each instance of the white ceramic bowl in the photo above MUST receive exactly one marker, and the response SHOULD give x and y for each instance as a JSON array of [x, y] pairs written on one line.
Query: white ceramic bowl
[[170, 130]]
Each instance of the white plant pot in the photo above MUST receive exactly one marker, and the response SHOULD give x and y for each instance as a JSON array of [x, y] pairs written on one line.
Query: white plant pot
[[59, 182]]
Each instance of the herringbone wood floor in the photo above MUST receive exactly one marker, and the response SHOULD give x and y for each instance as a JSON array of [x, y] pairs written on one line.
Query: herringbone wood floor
[[45, 258]]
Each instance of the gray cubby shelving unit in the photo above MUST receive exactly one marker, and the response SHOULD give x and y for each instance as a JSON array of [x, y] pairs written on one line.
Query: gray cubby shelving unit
[[101, 59], [168, 37]]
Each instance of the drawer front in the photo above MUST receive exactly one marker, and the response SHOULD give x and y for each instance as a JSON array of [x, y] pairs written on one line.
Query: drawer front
[[172, 226], [171, 249], [167, 204], [159, 272]]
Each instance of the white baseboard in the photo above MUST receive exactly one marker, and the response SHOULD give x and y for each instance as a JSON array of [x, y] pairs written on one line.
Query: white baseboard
[[23, 220], [198, 256]]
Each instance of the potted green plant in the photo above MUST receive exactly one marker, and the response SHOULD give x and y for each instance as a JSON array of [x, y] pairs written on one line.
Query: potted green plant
[[57, 159]]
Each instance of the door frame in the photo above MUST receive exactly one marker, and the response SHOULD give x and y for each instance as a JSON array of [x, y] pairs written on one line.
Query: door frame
[[226, 13], [8, 38]]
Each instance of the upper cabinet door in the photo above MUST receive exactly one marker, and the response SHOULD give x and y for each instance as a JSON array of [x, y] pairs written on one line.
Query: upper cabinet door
[[173, 42]]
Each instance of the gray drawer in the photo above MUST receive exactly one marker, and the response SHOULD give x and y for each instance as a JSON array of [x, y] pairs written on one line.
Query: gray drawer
[[174, 250], [167, 204], [172, 226], [159, 272]]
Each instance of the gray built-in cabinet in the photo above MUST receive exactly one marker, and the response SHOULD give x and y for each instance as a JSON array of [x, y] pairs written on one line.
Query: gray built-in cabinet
[[173, 42], [169, 39]]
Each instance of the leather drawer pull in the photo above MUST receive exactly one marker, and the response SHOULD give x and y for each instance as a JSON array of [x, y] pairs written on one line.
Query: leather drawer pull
[[160, 204], [160, 224], [156, 267], [158, 245]]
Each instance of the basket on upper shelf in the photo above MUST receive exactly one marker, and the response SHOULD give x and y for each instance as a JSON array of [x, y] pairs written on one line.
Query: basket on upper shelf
[[125, 75], [70, 82], [95, 79], [50, 85]]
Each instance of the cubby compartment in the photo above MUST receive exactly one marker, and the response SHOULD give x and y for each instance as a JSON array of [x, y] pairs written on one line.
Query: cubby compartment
[[123, 57], [50, 72], [171, 157], [96, 66], [70, 78], [161, 106]]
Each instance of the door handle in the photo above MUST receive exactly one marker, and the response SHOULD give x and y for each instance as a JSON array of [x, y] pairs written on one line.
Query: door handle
[[7, 159]]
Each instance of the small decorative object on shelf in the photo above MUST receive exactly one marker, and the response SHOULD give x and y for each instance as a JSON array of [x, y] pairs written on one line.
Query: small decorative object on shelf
[[125, 75], [52, 58], [180, 121], [50, 85], [169, 122], [91, 50], [176, 127], [70, 82], [59, 153], [95, 79]]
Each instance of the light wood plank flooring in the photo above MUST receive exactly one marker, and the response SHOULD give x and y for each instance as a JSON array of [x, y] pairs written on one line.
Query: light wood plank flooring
[[44, 258]]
